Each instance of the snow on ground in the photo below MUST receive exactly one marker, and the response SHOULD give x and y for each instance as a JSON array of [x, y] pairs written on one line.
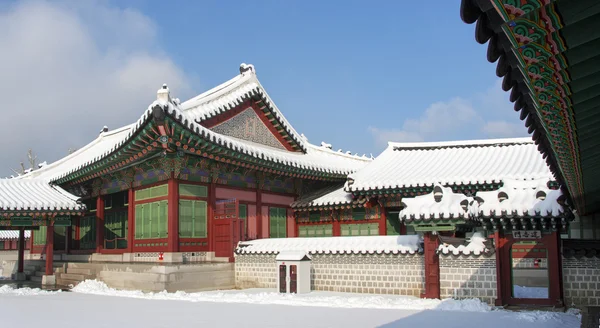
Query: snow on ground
[[95, 305], [530, 292]]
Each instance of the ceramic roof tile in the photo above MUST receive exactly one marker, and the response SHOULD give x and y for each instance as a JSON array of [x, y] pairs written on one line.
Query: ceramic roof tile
[[35, 195], [476, 246], [13, 234], [334, 245], [330, 196], [427, 207], [404, 165]]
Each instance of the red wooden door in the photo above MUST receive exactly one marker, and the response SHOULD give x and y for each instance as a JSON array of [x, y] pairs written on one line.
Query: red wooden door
[[432, 266], [282, 278], [223, 238], [293, 279]]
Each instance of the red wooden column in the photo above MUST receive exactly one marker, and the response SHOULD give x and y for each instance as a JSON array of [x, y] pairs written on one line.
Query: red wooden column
[[500, 242], [259, 217], [49, 249], [382, 222], [337, 228], [432, 266], [130, 221], [173, 230], [99, 224], [212, 197], [555, 290], [21, 249]]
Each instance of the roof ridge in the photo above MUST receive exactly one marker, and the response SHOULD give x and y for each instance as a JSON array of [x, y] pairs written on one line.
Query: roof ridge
[[217, 91], [461, 143], [330, 151]]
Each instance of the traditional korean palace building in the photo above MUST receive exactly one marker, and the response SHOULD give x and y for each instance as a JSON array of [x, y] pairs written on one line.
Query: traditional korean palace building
[[224, 184]]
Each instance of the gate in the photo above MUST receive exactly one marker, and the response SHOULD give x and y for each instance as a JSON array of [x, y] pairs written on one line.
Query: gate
[[228, 229]]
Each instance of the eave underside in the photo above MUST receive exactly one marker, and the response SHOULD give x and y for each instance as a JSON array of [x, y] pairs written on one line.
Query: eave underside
[[549, 55]]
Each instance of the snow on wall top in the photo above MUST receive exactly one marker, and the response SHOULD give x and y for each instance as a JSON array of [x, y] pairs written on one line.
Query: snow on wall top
[[404, 165], [476, 246], [228, 95], [518, 199], [334, 245], [35, 194], [330, 196], [441, 203], [13, 234]]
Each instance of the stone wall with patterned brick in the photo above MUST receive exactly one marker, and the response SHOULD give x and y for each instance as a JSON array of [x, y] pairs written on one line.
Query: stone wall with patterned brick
[[581, 281], [468, 277], [355, 273], [255, 271]]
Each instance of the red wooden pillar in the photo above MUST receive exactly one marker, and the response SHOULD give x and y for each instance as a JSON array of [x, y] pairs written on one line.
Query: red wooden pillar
[[555, 290], [290, 214], [259, 217], [130, 221], [432, 266], [337, 228], [99, 224], [173, 221], [212, 196], [500, 242], [49, 249], [21, 249], [382, 221]]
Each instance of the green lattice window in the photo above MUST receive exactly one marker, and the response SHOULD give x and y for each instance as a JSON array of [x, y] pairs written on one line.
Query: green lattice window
[[87, 232], [151, 220], [115, 230], [243, 215], [360, 229], [152, 192], [193, 190], [320, 230], [277, 222], [192, 219], [39, 236], [1, 244]]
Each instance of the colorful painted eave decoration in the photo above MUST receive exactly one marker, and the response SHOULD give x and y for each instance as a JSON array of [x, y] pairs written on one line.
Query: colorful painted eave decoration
[[524, 37], [171, 136]]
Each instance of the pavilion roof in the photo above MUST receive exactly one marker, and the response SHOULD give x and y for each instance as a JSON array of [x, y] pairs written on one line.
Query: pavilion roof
[[455, 163], [315, 159], [329, 197], [35, 195]]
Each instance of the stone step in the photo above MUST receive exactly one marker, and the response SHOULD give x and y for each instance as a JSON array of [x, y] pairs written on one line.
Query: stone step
[[59, 270], [36, 278], [80, 271], [39, 273], [74, 276], [31, 268]]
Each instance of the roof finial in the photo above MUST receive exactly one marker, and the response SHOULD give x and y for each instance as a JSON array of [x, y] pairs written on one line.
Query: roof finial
[[247, 67], [104, 129], [162, 95]]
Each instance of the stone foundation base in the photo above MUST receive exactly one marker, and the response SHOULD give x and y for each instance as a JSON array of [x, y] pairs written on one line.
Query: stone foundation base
[[48, 280], [20, 276]]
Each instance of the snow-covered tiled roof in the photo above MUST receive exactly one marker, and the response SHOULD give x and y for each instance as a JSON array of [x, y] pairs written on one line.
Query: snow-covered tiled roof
[[334, 245], [104, 144], [35, 195], [326, 197], [13, 234], [232, 93], [476, 246], [317, 158], [404, 165], [518, 199], [441, 203]]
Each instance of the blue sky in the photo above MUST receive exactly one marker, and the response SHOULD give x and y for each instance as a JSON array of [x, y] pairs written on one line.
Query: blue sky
[[353, 75]]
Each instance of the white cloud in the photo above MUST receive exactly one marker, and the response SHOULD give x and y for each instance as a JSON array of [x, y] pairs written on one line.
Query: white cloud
[[484, 115], [70, 68]]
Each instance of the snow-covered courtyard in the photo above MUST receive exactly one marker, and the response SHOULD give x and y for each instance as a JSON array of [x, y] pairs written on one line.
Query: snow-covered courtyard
[[93, 305]]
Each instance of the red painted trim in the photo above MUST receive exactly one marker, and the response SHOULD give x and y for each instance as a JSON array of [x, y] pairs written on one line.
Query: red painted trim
[[113, 251], [337, 228], [382, 221], [212, 193], [259, 218], [193, 248], [500, 242], [194, 198], [173, 216], [130, 221], [77, 233], [151, 200], [99, 224], [49, 250]]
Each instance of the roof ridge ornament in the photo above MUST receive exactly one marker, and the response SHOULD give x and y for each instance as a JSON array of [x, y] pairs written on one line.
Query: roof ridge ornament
[[163, 95], [246, 67]]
